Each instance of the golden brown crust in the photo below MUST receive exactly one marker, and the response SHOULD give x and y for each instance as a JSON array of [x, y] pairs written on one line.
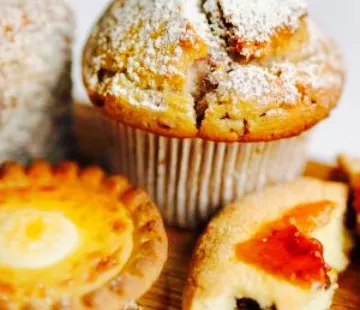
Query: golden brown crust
[[219, 85], [145, 265], [214, 274], [149, 236]]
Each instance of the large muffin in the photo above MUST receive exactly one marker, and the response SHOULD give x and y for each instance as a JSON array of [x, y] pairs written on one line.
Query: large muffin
[[35, 78], [222, 71]]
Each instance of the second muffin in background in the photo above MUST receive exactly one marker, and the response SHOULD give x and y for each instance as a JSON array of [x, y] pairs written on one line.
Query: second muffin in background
[[198, 93]]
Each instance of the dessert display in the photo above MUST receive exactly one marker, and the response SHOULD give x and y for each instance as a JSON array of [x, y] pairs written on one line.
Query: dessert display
[[195, 104], [74, 238], [35, 78], [351, 166], [198, 94], [282, 249]]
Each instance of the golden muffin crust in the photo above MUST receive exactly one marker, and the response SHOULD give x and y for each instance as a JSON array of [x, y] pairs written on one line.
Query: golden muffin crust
[[218, 277], [223, 70], [75, 238]]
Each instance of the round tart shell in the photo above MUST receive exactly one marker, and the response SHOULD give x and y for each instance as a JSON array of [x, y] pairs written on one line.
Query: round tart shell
[[149, 237]]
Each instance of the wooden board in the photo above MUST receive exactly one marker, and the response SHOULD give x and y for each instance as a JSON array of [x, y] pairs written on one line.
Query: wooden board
[[166, 294]]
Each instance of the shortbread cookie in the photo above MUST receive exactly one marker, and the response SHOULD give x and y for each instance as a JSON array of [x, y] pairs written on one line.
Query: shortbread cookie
[[278, 249]]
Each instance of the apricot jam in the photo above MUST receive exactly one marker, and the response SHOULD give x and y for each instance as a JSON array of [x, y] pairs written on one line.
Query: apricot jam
[[285, 249]]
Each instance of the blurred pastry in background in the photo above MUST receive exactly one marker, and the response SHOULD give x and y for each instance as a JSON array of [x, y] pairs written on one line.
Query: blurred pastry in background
[[35, 78], [281, 249], [74, 238], [351, 166], [199, 94]]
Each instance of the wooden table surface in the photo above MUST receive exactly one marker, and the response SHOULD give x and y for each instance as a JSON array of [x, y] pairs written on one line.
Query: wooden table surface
[[166, 294]]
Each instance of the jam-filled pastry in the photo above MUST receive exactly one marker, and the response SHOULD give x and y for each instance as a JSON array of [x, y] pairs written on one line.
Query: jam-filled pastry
[[279, 249], [351, 166], [75, 239]]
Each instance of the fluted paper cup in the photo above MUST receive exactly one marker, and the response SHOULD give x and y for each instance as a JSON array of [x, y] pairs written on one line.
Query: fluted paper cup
[[190, 179]]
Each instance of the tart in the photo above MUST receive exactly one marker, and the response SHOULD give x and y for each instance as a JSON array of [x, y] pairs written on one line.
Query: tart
[[75, 238], [351, 166], [278, 249]]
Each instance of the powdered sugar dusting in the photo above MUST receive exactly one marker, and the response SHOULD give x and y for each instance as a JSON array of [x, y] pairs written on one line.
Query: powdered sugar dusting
[[147, 39], [255, 85], [151, 31], [258, 20], [147, 36]]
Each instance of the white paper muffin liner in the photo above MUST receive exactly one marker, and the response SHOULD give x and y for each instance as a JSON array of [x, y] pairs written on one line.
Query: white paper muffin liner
[[190, 179]]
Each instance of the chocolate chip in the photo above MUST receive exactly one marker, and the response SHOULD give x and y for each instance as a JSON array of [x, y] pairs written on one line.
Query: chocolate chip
[[101, 75], [246, 127], [225, 116], [97, 100], [105, 73], [247, 304]]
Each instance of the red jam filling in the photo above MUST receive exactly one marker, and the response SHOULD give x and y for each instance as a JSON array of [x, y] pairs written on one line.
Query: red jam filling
[[284, 249]]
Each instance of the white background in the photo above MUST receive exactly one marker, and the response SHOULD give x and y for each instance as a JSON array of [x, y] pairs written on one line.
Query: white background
[[341, 18]]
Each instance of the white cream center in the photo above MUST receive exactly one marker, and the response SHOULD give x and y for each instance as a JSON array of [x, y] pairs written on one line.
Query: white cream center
[[35, 239]]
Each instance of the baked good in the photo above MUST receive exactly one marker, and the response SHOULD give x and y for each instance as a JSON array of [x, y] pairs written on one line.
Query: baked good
[[351, 166], [278, 249], [75, 238], [271, 70], [35, 78], [220, 70]]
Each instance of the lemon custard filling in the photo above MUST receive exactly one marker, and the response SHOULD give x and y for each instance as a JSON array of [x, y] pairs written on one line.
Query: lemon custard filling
[[61, 241]]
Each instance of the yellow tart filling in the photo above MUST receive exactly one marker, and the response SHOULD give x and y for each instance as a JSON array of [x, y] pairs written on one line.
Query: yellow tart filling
[[35, 239], [61, 241]]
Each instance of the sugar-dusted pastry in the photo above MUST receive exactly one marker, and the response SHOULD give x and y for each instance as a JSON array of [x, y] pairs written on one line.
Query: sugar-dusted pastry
[[75, 238], [278, 249], [35, 78], [351, 166], [215, 72]]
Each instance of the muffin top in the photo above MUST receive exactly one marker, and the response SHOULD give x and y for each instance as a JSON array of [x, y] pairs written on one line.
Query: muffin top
[[75, 238], [35, 42], [223, 70]]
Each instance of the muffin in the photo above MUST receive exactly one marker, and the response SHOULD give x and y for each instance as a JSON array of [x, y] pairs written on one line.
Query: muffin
[[209, 99], [278, 249], [35, 78], [75, 238]]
